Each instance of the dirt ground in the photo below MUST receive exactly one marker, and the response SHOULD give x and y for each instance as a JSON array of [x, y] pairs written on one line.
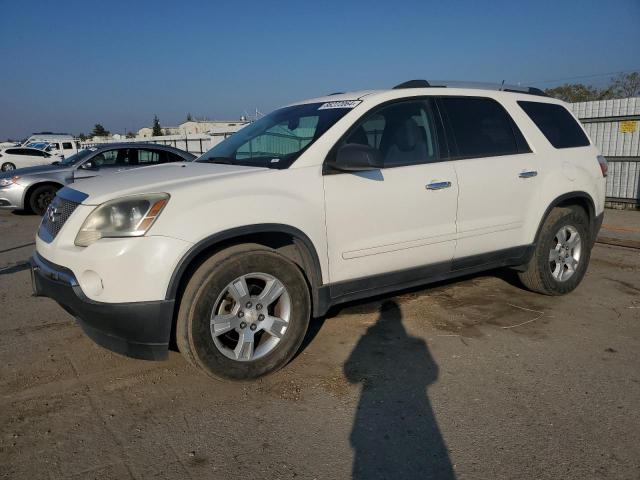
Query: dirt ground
[[475, 378]]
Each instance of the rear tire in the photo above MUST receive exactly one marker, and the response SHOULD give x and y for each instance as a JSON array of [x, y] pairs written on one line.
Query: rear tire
[[40, 198], [562, 253], [7, 167], [216, 320]]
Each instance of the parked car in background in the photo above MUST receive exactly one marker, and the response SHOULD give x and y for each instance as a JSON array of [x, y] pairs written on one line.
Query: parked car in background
[[22, 157], [321, 202], [62, 146], [33, 188]]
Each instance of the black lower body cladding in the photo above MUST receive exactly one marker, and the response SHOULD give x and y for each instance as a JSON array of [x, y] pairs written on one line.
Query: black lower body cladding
[[137, 329]]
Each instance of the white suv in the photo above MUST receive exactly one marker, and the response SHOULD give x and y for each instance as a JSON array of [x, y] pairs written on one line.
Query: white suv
[[321, 202]]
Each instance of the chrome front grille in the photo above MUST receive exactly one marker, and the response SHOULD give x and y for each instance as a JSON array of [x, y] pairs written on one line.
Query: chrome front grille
[[55, 217]]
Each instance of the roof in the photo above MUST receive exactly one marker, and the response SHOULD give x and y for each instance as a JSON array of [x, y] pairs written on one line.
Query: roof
[[422, 87]]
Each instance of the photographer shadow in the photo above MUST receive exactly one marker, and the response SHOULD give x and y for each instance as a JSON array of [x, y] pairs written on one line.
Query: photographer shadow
[[395, 434]]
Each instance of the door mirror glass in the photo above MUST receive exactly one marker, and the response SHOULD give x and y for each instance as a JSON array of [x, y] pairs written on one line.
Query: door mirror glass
[[89, 166], [355, 157]]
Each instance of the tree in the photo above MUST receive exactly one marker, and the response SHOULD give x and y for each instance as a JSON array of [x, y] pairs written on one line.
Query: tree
[[623, 86], [157, 129], [626, 85], [578, 92], [82, 137], [131, 135], [99, 131], [189, 117]]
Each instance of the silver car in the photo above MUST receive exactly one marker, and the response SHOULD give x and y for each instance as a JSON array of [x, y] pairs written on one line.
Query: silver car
[[33, 188]]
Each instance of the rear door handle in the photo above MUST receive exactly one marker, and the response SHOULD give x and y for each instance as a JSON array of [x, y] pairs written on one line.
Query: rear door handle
[[437, 185], [528, 174]]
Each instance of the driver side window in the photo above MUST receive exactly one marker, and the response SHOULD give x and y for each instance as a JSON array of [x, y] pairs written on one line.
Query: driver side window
[[404, 133], [111, 158]]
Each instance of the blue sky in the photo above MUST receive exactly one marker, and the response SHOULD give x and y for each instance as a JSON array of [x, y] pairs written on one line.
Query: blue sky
[[66, 65]]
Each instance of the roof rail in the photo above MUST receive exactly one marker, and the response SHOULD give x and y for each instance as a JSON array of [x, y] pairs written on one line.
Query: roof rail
[[480, 85], [413, 84], [528, 90]]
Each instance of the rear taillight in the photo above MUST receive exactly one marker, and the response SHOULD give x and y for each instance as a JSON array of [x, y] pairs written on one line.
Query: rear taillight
[[603, 165]]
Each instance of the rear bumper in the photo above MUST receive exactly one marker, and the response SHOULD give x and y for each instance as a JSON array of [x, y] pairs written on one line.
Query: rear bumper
[[136, 329]]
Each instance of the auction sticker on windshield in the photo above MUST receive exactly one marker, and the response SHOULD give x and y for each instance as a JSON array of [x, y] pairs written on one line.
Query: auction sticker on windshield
[[340, 104]]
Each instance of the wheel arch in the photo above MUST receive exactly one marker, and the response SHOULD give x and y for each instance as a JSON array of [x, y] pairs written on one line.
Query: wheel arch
[[579, 198], [287, 240], [4, 162], [30, 189]]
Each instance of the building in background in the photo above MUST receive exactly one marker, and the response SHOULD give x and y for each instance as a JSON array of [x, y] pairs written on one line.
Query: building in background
[[192, 127], [614, 126]]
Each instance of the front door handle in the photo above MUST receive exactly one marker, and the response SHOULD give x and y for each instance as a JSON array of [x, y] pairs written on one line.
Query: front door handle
[[528, 174], [437, 185]]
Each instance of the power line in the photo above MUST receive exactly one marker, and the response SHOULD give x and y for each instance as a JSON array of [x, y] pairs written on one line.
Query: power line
[[535, 82]]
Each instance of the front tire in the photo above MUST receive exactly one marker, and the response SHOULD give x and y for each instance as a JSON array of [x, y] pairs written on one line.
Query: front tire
[[562, 253], [243, 314], [40, 198], [8, 167]]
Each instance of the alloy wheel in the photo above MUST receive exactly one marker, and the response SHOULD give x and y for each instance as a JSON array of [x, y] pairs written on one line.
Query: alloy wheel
[[564, 256], [250, 316]]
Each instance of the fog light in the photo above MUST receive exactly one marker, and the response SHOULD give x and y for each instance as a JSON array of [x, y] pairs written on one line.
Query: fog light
[[91, 283]]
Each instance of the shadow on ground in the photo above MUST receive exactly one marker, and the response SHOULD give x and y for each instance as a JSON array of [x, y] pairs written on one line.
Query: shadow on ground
[[20, 267], [395, 433]]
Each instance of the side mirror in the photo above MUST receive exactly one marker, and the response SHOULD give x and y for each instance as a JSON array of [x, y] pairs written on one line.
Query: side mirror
[[354, 157], [88, 166]]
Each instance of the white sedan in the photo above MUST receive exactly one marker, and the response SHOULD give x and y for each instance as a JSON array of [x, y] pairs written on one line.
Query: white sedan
[[21, 157]]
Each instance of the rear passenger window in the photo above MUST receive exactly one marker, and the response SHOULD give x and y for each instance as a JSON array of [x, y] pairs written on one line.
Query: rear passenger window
[[147, 157], [556, 123], [67, 145], [481, 127]]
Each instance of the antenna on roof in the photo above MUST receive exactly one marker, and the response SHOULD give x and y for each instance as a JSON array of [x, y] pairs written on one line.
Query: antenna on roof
[[502, 85]]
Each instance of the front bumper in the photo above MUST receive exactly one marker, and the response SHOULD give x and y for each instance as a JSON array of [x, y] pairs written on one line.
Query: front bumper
[[135, 329], [12, 197]]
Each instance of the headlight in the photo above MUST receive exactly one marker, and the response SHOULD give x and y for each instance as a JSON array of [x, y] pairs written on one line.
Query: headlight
[[5, 182], [123, 217]]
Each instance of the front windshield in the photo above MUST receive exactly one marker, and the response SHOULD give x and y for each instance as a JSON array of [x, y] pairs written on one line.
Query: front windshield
[[38, 145], [73, 159], [278, 139]]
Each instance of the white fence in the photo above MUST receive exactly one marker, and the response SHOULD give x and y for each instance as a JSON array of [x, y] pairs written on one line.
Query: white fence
[[614, 126]]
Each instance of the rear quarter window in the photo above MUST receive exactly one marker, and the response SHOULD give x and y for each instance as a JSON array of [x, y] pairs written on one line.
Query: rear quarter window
[[556, 124]]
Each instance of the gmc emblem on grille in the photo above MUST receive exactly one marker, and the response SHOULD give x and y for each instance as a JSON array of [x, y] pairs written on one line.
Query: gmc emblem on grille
[[52, 213]]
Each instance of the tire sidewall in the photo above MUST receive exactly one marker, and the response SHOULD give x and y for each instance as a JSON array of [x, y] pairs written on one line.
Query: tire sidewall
[[205, 352], [578, 219], [33, 199]]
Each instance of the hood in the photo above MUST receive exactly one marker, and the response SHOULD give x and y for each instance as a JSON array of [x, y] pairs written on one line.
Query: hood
[[31, 171], [168, 178]]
